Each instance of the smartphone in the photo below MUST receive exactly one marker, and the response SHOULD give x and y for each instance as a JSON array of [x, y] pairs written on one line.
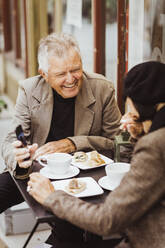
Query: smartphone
[[21, 173], [20, 135]]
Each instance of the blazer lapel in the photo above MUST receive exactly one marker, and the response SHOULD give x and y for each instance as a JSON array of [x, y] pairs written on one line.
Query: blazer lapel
[[42, 110], [83, 114]]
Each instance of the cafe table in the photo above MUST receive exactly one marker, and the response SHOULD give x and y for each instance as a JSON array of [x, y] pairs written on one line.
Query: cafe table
[[41, 215]]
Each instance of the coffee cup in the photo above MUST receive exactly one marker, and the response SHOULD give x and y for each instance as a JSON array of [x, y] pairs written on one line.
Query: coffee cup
[[116, 171], [57, 163]]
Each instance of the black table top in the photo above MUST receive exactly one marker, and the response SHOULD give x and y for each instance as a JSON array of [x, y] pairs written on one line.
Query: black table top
[[39, 212]]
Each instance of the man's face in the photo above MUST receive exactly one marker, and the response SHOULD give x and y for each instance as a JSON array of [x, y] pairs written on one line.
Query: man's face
[[65, 74]]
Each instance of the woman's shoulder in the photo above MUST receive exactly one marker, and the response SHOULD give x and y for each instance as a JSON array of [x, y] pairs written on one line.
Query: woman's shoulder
[[155, 139], [150, 148]]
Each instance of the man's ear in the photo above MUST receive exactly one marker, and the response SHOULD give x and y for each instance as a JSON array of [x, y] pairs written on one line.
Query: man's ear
[[43, 74]]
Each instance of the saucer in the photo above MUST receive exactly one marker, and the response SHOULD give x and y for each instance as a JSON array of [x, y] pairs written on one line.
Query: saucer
[[73, 171], [106, 184]]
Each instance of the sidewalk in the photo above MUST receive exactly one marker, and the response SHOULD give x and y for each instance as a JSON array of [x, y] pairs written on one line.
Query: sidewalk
[[17, 241]]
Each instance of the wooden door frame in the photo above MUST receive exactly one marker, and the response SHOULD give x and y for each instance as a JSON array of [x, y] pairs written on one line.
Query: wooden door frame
[[98, 11]]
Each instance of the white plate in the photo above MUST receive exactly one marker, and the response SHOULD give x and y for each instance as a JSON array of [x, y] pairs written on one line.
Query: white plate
[[84, 166], [92, 187], [106, 184], [73, 171]]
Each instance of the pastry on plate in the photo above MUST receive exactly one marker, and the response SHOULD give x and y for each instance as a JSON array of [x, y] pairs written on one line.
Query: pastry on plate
[[95, 159], [80, 157], [75, 186]]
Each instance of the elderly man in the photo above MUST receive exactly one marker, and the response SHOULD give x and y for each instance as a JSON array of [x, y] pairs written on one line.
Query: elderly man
[[64, 109]]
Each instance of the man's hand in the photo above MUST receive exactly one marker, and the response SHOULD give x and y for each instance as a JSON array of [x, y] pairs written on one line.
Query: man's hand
[[129, 123], [22, 153], [40, 187], [63, 145]]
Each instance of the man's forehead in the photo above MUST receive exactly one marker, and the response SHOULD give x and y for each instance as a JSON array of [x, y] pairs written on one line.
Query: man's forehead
[[67, 62], [65, 55]]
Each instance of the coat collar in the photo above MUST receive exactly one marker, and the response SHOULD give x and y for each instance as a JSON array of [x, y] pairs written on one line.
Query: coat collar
[[43, 109], [85, 96], [83, 114], [43, 91]]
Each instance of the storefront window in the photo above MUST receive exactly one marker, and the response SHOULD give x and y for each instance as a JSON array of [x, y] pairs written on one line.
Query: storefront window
[[111, 40], [146, 31], [154, 30], [83, 34], [1, 29], [12, 28], [50, 13]]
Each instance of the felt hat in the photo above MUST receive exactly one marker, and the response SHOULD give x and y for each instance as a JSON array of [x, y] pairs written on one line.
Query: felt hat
[[145, 83]]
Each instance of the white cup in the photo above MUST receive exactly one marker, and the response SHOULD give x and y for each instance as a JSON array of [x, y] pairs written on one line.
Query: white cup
[[116, 171], [58, 163]]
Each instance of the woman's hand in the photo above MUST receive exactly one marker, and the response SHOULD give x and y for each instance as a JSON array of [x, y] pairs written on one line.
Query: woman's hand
[[129, 123], [39, 187]]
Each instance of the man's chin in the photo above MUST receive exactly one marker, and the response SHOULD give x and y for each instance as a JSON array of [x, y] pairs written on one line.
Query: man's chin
[[70, 94]]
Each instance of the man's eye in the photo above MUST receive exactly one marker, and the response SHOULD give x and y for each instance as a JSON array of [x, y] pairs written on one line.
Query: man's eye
[[60, 75], [75, 70]]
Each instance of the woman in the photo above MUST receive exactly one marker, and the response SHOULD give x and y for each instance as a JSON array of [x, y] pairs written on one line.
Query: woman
[[137, 206]]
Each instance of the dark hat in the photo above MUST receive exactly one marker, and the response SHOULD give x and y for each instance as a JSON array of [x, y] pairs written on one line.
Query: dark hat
[[145, 83]]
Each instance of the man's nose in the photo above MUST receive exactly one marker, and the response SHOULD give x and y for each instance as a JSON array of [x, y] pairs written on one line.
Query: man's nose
[[69, 77]]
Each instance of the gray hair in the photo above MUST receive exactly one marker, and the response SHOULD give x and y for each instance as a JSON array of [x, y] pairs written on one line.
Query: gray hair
[[55, 45]]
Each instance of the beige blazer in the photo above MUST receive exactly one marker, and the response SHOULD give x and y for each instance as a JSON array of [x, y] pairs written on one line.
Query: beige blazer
[[96, 114], [137, 206]]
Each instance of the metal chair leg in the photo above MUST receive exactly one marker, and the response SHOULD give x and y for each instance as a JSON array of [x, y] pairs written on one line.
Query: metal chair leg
[[31, 234]]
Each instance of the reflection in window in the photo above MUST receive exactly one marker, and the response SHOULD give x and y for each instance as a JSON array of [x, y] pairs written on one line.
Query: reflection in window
[[1, 29], [50, 13], [12, 28], [84, 35], [22, 30], [157, 37], [111, 40], [147, 31]]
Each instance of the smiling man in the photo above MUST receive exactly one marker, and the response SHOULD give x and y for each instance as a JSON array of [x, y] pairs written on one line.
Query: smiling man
[[65, 74], [64, 109]]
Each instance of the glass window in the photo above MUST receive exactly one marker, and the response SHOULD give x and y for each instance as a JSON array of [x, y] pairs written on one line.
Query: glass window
[[154, 30], [1, 29], [146, 31], [22, 31], [111, 40], [84, 35], [50, 11], [12, 25]]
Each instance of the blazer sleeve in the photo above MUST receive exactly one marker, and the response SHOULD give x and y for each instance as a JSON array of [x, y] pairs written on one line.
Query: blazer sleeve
[[21, 117], [139, 191], [110, 122]]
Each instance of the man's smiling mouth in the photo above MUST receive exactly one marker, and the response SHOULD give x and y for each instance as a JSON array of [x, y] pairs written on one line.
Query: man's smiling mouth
[[70, 85]]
